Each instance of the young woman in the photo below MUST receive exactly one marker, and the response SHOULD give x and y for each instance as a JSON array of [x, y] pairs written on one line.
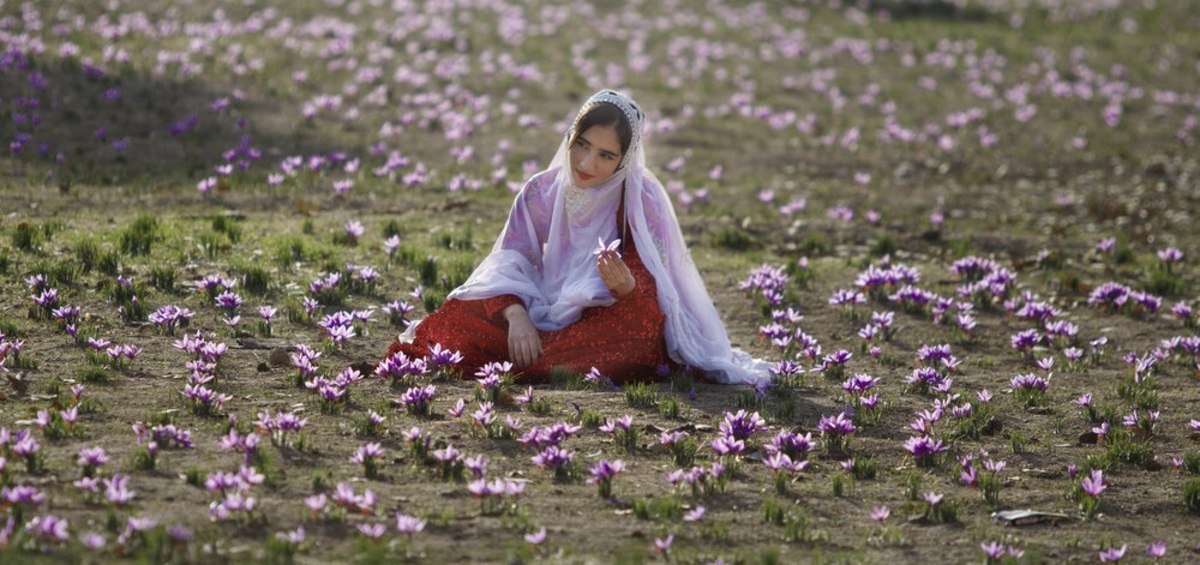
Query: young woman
[[590, 271]]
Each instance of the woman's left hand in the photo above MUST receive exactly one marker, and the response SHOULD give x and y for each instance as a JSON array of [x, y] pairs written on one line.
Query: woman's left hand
[[615, 273]]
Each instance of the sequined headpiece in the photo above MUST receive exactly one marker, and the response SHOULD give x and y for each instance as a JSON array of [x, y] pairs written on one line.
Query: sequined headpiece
[[627, 106]]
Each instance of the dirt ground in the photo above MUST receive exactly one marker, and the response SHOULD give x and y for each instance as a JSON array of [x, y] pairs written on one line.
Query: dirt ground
[[1141, 505]]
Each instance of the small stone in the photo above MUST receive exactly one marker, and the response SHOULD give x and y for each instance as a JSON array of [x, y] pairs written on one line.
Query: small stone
[[1089, 438], [263, 368], [993, 427], [279, 357]]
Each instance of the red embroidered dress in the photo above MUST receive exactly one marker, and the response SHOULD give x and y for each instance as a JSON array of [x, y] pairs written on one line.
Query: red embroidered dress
[[624, 341]]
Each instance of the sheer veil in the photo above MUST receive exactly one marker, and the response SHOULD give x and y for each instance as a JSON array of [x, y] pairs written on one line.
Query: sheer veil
[[545, 254]]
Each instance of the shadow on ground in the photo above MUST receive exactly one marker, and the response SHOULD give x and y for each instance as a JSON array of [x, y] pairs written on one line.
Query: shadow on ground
[[71, 123]]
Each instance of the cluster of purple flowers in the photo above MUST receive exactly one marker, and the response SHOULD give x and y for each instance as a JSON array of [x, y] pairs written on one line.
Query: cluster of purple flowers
[[786, 371], [232, 493], [417, 399], [213, 285], [878, 282], [277, 426], [204, 400], [338, 327], [9, 348], [549, 436], [230, 302], [1183, 311], [347, 499], [326, 290], [440, 357], [396, 311], [203, 370], [492, 493], [399, 368], [880, 326], [164, 435], [246, 444], [304, 359], [780, 462], [769, 281], [368, 455], [553, 458], [121, 355], [333, 391], [859, 383], [362, 277], [66, 315], [928, 379], [793, 445], [741, 425], [700, 480], [847, 298], [833, 365], [602, 475], [1024, 341], [925, 450], [491, 378], [835, 432], [972, 268], [1029, 382], [1120, 298], [45, 300], [993, 287], [168, 317], [913, 299]]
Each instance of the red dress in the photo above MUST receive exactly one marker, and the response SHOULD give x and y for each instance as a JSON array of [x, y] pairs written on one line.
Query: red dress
[[625, 341]]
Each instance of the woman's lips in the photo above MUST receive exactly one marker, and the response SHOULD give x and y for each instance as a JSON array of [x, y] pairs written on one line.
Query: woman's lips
[[583, 176]]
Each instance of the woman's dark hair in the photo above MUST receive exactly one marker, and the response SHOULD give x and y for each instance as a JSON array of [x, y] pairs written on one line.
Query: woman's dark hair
[[605, 114]]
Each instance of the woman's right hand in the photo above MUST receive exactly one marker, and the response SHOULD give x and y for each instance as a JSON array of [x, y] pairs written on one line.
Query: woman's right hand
[[524, 345]]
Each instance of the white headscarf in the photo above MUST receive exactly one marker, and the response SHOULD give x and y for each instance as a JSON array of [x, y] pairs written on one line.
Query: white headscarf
[[545, 253]]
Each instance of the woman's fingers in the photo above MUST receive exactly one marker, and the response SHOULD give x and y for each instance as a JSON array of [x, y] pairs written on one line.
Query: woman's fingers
[[524, 350]]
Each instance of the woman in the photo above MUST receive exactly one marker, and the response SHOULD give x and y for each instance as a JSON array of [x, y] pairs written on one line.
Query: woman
[[590, 271]]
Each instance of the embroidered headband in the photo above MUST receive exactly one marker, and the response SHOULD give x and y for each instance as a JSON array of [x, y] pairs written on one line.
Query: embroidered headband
[[627, 106]]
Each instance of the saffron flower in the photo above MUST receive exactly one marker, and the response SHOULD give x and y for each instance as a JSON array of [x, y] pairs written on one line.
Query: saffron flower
[[1113, 555], [924, 450], [835, 432], [603, 473], [408, 525], [536, 538], [368, 456], [1090, 488], [741, 425], [993, 551], [612, 246]]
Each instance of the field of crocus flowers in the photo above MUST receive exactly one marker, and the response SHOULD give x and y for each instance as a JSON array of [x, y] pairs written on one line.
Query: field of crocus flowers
[[960, 233]]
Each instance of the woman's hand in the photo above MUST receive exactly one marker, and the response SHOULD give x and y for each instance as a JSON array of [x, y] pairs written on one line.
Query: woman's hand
[[524, 345], [615, 273]]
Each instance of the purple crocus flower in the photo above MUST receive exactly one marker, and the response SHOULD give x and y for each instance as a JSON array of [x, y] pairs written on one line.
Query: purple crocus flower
[[48, 526], [1093, 485], [408, 525], [1113, 555], [741, 425]]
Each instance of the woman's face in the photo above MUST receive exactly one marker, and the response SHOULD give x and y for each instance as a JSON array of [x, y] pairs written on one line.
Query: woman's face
[[595, 155]]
